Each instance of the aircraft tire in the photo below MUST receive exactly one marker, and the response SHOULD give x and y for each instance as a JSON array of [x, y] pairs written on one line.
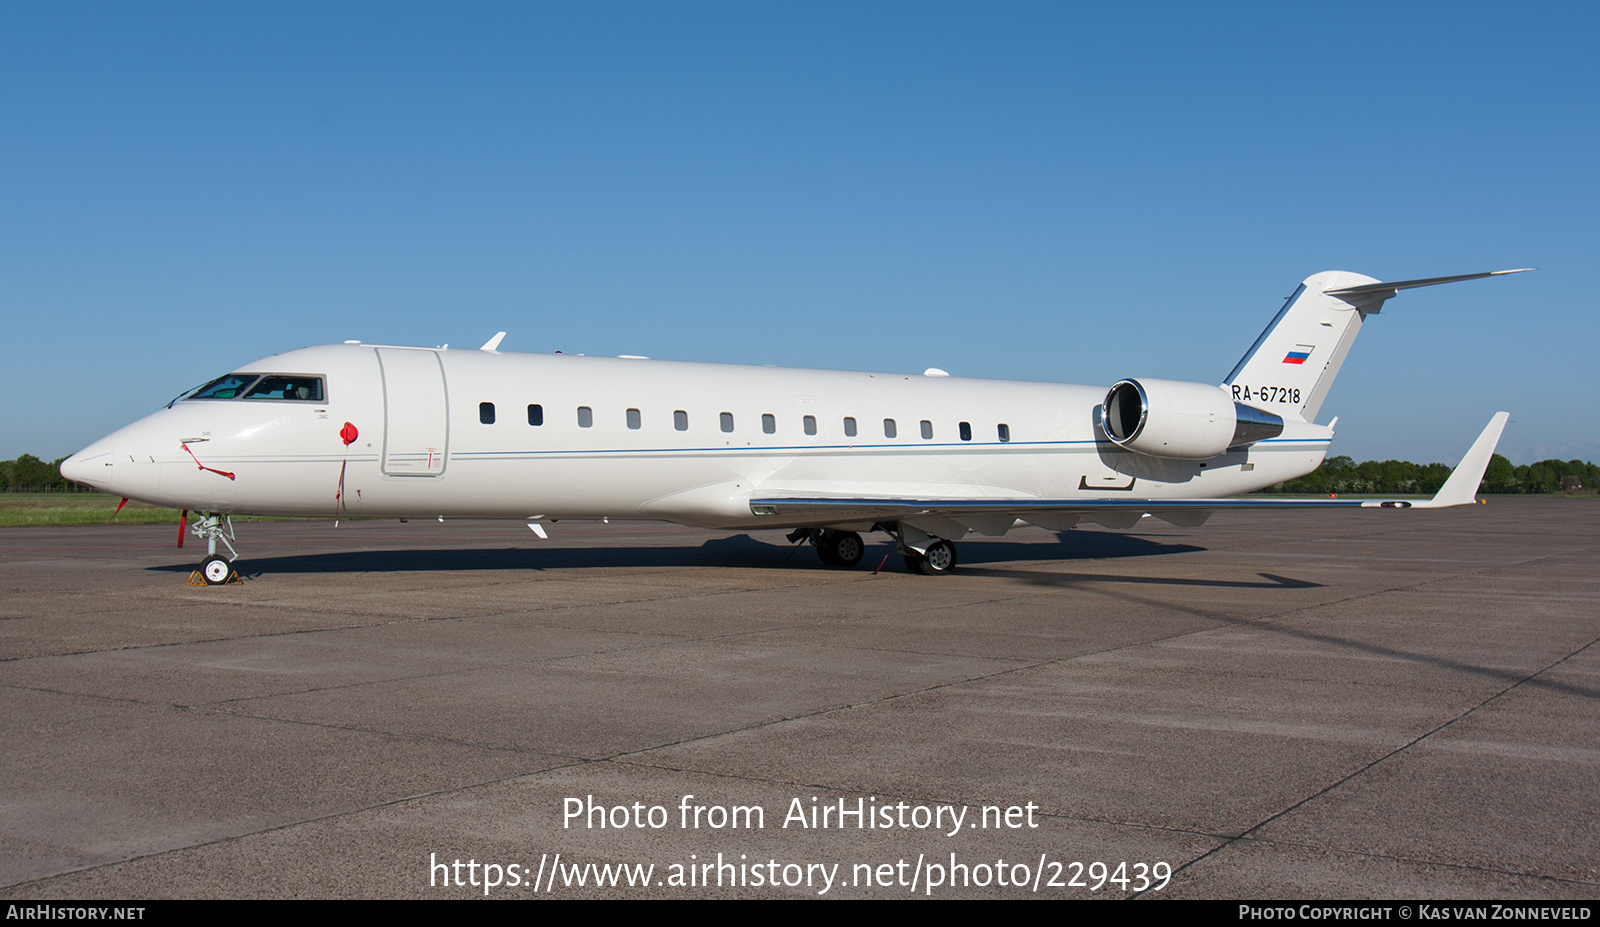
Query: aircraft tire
[[939, 559], [847, 548], [216, 569]]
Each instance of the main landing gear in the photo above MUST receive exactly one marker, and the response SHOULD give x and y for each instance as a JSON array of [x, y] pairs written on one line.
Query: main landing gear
[[834, 548], [216, 569], [938, 559], [923, 554]]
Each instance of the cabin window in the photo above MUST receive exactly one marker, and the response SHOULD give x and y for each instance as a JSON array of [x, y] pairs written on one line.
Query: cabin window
[[849, 427], [296, 389], [769, 425], [727, 422], [889, 430], [633, 419], [927, 430], [1005, 432], [486, 413], [810, 424], [585, 417], [535, 414], [680, 420], [966, 431]]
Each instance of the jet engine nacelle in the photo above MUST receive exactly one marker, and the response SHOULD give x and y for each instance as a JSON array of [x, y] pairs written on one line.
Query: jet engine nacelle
[[1188, 421]]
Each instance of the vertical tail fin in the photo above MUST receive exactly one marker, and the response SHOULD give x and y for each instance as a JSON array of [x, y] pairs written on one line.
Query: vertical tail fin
[[1292, 365]]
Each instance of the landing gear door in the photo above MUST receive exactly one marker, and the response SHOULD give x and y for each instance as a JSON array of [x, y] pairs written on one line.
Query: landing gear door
[[416, 414]]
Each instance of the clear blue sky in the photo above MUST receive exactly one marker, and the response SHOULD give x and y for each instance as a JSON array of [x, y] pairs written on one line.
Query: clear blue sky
[[1067, 192]]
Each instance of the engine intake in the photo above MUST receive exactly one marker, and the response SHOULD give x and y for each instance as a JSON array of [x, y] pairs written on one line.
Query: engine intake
[[1187, 421]]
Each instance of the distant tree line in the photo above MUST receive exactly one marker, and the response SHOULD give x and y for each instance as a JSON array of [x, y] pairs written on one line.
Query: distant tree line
[[1344, 475], [30, 474]]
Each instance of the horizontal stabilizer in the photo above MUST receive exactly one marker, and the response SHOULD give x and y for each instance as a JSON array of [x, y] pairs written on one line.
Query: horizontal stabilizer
[[1390, 288], [1462, 486]]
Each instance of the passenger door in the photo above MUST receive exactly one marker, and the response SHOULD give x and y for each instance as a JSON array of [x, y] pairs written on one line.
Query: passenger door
[[416, 412]]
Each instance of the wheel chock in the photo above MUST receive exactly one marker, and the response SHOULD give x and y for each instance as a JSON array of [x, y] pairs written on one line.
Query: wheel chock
[[198, 578]]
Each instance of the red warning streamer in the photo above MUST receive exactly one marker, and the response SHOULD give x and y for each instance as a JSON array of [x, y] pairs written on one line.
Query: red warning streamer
[[348, 434], [204, 467]]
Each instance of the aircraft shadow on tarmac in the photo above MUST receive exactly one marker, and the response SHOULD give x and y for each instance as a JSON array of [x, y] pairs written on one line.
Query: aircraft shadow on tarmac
[[736, 551], [744, 551]]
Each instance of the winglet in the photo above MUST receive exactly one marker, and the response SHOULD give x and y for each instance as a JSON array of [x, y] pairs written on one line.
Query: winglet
[[1462, 486], [493, 344]]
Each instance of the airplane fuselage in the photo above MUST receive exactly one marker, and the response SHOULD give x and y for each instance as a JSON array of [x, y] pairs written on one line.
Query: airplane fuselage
[[477, 433], [359, 430]]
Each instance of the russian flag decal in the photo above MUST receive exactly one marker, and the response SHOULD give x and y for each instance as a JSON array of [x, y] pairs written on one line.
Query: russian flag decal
[[1299, 354]]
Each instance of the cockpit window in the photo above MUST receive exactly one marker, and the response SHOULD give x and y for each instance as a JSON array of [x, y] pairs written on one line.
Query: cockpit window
[[297, 388], [228, 387], [293, 387]]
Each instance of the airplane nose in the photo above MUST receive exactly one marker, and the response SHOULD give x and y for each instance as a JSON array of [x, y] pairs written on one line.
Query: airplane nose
[[90, 466], [75, 468]]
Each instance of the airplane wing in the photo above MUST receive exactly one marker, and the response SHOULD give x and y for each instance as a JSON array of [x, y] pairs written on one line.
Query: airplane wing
[[1460, 489]]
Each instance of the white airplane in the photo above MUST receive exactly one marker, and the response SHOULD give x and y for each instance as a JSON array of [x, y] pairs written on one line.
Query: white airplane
[[363, 430]]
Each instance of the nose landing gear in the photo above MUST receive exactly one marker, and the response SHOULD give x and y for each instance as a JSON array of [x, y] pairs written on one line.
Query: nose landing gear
[[215, 570]]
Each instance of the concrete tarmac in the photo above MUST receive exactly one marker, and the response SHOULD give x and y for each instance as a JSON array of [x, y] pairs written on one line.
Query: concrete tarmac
[[1367, 704]]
